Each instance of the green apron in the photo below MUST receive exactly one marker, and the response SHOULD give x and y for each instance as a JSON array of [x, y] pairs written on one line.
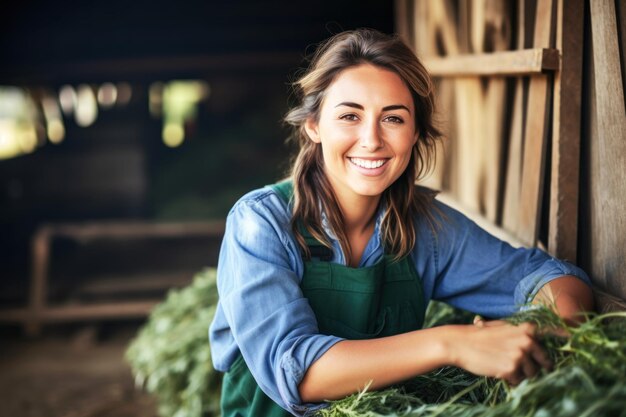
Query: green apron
[[354, 303]]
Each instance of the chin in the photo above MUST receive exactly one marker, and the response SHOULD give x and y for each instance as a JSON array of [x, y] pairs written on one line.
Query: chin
[[370, 190]]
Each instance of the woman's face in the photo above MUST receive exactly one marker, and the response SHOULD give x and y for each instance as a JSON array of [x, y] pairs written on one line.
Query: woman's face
[[366, 129]]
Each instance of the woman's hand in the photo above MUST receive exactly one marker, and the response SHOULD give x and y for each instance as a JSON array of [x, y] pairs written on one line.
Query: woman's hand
[[498, 349]]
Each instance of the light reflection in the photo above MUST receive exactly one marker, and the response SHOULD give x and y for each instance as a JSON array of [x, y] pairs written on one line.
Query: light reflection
[[173, 134], [55, 130], [9, 146], [67, 99], [18, 122], [107, 95], [155, 99], [178, 102], [86, 106], [124, 94], [27, 138]]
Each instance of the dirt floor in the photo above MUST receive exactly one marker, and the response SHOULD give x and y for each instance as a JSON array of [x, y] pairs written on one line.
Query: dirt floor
[[76, 373]]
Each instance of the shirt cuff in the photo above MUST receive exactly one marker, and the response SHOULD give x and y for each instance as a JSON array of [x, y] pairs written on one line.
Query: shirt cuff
[[293, 366], [550, 270]]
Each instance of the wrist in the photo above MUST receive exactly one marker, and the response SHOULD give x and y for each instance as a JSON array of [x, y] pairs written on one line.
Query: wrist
[[448, 344]]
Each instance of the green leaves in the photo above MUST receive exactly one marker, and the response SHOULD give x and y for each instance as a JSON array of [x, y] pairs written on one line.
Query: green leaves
[[171, 358], [589, 379]]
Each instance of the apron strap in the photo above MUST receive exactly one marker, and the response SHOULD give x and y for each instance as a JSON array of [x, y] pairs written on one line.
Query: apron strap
[[284, 189]]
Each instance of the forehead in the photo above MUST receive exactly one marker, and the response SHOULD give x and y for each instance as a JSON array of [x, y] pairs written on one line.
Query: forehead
[[368, 84]]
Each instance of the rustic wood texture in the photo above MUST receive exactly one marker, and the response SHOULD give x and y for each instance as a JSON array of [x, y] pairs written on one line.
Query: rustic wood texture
[[403, 20], [546, 109], [505, 63], [564, 186], [607, 176], [513, 182], [535, 133]]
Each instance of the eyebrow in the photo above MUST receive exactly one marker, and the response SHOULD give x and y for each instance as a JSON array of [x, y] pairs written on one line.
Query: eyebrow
[[386, 108]]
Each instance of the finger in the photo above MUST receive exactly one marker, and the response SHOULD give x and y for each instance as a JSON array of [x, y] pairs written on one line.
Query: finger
[[479, 321], [539, 355], [515, 378], [529, 367]]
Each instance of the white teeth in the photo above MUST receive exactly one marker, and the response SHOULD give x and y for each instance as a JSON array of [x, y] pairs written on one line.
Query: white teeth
[[366, 163]]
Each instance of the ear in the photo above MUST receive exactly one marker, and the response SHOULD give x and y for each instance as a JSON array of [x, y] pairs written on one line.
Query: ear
[[416, 137], [311, 128]]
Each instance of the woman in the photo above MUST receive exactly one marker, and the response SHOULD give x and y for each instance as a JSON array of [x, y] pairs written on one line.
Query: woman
[[324, 278]]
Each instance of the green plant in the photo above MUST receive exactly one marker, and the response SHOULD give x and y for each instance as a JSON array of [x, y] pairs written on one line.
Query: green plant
[[589, 379], [171, 358]]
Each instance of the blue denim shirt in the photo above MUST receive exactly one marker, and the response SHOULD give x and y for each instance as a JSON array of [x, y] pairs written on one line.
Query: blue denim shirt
[[262, 313]]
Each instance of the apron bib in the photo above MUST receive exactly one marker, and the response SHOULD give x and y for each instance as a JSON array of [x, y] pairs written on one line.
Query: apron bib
[[384, 299]]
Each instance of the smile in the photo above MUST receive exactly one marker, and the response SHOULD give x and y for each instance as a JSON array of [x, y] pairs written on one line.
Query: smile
[[368, 164]]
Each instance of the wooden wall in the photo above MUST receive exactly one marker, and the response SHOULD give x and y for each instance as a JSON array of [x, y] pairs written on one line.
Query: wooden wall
[[531, 98]]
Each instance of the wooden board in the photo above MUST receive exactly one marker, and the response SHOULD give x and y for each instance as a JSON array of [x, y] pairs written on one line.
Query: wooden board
[[505, 63], [608, 154], [537, 115], [566, 126], [513, 182]]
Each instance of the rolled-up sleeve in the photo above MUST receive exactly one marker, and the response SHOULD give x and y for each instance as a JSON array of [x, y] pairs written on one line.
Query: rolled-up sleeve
[[262, 313], [473, 270]]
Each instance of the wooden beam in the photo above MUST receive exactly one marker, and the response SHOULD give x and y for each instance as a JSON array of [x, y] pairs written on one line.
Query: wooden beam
[[566, 126], [535, 141], [608, 150], [117, 230], [403, 11], [507, 63], [513, 181], [80, 312], [480, 220]]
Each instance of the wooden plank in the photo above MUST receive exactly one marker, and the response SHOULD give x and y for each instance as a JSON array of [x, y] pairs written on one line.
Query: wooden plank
[[120, 230], [607, 303], [505, 63], [563, 220], [510, 211], [39, 280], [116, 285], [608, 149], [480, 220], [469, 142], [82, 312], [535, 135], [403, 20], [497, 36]]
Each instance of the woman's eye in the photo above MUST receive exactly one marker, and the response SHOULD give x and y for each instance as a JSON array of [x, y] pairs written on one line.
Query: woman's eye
[[349, 117], [394, 119]]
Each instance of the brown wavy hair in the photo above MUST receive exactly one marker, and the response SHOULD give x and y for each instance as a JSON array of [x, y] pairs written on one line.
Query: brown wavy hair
[[313, 193]]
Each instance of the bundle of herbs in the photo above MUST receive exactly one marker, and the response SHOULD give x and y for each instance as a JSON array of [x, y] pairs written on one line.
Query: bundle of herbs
[[589, 379], [170, 357]]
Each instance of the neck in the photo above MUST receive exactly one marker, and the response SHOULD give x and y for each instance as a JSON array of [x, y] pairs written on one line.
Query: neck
[[358, 213]]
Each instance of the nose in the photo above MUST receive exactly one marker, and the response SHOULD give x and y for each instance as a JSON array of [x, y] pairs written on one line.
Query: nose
[[370, 138]]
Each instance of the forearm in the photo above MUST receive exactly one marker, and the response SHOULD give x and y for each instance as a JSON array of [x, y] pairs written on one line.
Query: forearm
[[568, 295], [351, 364]]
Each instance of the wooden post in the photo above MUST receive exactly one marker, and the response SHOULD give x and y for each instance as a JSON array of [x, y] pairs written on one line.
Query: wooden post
[[563, 226], [608, 151], [535, 134], [39, 287]]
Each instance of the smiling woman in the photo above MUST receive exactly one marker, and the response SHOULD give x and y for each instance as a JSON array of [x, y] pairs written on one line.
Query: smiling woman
[[327, 292]]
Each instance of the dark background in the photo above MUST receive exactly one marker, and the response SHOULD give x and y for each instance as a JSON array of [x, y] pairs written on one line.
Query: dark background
[[119, 168]]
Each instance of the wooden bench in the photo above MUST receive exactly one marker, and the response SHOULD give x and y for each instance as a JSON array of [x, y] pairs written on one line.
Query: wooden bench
[[39, 311]]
